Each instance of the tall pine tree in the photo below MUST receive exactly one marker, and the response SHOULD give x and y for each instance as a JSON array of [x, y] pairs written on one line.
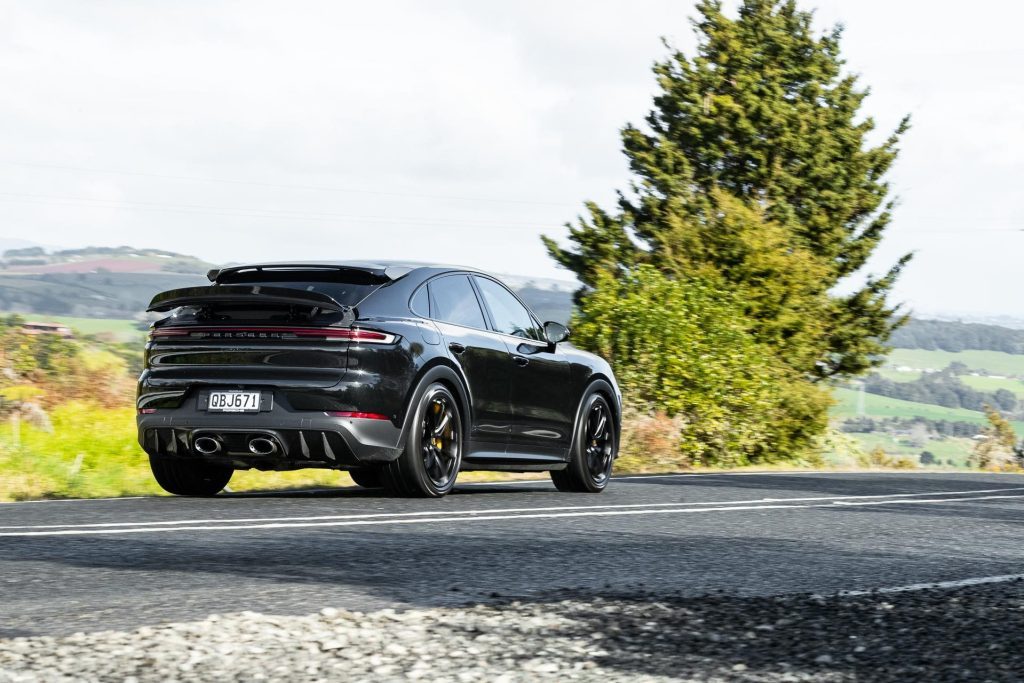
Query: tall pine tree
[[754, 170]]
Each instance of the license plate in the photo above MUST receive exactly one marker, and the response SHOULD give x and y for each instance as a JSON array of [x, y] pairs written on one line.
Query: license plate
[[234, 402]]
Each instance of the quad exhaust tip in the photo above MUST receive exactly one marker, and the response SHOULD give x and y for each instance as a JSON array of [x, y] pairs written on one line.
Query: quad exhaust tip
[[262, 446], [206, 445]]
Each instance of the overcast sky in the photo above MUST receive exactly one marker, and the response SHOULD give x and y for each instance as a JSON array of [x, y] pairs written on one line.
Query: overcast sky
[[458, 131]]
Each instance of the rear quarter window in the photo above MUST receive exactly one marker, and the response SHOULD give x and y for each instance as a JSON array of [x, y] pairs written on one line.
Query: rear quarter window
[[420, 302], [455, 302]]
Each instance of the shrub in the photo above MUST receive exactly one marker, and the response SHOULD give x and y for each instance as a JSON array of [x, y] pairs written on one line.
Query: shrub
[[680, 346], [877, 457], [650, 443]]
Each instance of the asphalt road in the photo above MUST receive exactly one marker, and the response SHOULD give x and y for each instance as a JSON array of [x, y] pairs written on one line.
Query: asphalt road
[[68, 566]]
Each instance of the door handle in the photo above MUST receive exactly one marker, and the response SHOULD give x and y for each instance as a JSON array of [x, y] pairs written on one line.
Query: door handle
[[456, 347], [521, 361]]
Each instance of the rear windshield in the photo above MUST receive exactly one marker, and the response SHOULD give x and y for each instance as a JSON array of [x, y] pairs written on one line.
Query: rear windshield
[[348, 288]]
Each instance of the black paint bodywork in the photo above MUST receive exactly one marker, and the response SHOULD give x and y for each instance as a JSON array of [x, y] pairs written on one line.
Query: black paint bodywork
[[519, 397]]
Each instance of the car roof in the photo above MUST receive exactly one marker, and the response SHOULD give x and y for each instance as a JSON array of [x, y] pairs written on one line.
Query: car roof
[[387, 270]]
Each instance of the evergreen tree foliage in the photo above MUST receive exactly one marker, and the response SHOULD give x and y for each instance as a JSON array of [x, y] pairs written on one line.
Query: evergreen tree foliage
[[754, 171]]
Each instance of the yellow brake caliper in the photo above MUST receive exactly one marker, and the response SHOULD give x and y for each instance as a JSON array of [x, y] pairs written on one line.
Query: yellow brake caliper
[[437, 440]]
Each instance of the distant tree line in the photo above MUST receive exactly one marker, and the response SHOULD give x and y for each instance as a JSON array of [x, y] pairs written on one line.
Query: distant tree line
[[62, 254], [25, 252], [867, 425], [943, 388], [940, 335]]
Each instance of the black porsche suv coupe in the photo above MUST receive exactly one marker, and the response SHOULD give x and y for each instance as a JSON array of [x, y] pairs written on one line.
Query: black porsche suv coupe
[[401, 374]]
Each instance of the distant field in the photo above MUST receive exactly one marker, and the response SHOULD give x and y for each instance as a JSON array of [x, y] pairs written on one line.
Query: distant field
[[945, 450], [981, 383], [124, 330], [994, 362], [995, 384], [897, 376], [882, 406], [956, 450]]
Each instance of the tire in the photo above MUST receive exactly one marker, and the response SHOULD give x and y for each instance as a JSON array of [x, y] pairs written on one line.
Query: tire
[[367, 477], [429, 464], [595, 445], [190, 477]]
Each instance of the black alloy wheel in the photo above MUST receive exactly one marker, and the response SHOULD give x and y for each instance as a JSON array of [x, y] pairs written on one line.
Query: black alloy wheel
[[433, 452], [594, 450]]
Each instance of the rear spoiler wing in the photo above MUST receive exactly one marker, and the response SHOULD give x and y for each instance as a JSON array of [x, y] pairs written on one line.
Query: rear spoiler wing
[[242, 294]]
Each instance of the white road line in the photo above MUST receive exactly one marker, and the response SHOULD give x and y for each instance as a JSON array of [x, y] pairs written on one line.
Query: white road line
[[754, 473], [687, 475], [839, 500], [977, 581], [485, 517], [425, 513]]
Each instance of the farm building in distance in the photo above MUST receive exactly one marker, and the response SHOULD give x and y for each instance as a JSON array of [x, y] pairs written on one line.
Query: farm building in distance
[[47, 328]]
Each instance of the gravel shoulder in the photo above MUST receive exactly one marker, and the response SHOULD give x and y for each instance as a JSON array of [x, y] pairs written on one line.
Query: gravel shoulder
[[974, 633]]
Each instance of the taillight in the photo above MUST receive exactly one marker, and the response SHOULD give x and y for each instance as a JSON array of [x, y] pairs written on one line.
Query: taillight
[[355, 334], [167, 332], [356, 413], [369, 336]]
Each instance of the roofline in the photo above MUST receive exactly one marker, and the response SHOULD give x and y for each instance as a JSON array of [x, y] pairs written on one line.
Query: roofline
[[389, 270]]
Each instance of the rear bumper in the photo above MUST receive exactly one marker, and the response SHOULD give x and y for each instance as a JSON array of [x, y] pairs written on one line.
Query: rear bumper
[[302, 438]]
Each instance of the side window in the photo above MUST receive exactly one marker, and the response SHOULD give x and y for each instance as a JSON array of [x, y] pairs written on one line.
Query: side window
[[455, 302], [420, 302], [510, 317]]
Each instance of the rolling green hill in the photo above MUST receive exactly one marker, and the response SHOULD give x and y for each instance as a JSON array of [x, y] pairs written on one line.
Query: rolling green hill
[[882, 406], [87, 295]]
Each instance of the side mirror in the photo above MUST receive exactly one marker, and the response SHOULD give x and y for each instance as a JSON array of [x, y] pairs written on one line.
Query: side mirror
[[555, 332]]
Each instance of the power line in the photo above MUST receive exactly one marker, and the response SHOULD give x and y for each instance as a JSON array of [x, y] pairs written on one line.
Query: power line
[[289, 186]]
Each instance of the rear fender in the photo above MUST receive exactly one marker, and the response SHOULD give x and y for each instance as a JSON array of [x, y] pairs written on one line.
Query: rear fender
[[439, 372]]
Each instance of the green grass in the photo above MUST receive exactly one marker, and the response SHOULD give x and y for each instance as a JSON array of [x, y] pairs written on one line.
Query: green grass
[[994, 362], [42, 464], [121, 330], [92, 453]]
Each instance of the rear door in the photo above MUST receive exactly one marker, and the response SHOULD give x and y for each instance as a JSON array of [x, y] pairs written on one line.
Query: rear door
[[482, 356], [543, 400]]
